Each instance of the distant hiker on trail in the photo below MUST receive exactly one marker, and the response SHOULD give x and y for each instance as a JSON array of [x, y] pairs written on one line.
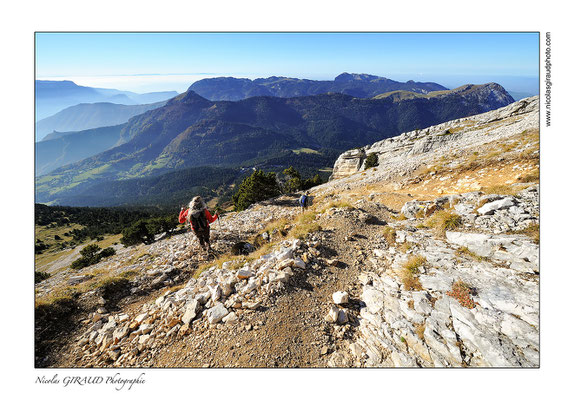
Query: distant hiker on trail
[[199, 219], [304, 201]]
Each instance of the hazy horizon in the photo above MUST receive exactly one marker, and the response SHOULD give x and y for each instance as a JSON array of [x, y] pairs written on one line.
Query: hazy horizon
[[145, 83], [149, 62]]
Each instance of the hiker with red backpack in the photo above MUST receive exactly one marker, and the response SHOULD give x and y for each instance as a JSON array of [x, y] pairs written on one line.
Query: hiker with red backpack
[[199, 218]]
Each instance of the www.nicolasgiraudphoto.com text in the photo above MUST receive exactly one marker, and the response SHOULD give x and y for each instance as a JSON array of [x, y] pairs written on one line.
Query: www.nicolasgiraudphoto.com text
[[548, 79], [117, 381]]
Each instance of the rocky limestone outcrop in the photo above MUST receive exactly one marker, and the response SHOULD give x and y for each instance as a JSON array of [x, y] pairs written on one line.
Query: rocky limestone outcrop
[[463, 132], [430, 326]]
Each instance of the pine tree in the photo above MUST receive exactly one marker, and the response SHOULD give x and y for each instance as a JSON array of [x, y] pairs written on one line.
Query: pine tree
[[258, 186], [294, 182]]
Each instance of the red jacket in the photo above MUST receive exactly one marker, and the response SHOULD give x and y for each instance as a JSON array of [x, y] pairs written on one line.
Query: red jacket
[[183, 217]]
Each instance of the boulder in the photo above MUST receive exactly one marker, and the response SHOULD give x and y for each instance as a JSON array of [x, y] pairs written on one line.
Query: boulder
[[231, 317], [340, 297], [245, 273], [216, 313], [190, 311], [490, 208]]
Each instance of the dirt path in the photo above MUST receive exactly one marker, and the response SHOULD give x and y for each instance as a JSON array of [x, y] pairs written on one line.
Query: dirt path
[[290, 329]]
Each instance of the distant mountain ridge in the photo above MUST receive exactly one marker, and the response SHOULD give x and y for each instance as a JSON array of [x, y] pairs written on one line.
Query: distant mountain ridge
[[356, 85], [191, 131], [88, 116], [54, 96], [68, 147]]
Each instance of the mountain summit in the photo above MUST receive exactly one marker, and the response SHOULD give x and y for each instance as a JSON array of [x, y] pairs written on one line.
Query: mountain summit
[[356, 85]]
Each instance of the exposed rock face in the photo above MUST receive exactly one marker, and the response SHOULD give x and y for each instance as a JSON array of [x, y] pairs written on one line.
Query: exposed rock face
[[348, 163], [429, 326], [449, 135]]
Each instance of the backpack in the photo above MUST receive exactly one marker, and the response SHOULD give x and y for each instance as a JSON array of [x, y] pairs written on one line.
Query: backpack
[[199, 221], [303, 201]]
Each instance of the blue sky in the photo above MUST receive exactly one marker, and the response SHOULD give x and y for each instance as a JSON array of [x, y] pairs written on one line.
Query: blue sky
[[172, 61]]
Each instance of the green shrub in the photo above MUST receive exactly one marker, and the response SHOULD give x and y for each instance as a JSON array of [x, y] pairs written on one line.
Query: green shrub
[[40, 276], [136, 234], [91, 255], [39, 247], [372, 160], [161, 225], [107, 252], [309, 183]]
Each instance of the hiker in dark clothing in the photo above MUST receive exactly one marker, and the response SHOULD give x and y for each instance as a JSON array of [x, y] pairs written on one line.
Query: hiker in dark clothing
[[304, 201], [199, 218]]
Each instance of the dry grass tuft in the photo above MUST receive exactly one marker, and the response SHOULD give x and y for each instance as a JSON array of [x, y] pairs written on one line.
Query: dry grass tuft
[[406, 246], [201, 269], [337, 204], [400, 217], [409, 272], [420, 330], [443, 220], [464, 251], [533, 231], [534, 176], [506, 190], [389, 234]]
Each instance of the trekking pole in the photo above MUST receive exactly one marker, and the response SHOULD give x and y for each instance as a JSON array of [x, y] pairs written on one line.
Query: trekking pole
[[217, 210]]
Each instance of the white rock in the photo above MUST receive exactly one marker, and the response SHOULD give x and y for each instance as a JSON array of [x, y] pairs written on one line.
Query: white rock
[[244, 273], [203, 297], [284, 264], [216, 292], [489, 208], [143, 340], [109, 326], [216, 313], [190, 311], [145, 328], [252, 305], [231, 317], [340, 297], [227, 288], [373, 298], [333, 314], [284, 255], [120, 333]]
